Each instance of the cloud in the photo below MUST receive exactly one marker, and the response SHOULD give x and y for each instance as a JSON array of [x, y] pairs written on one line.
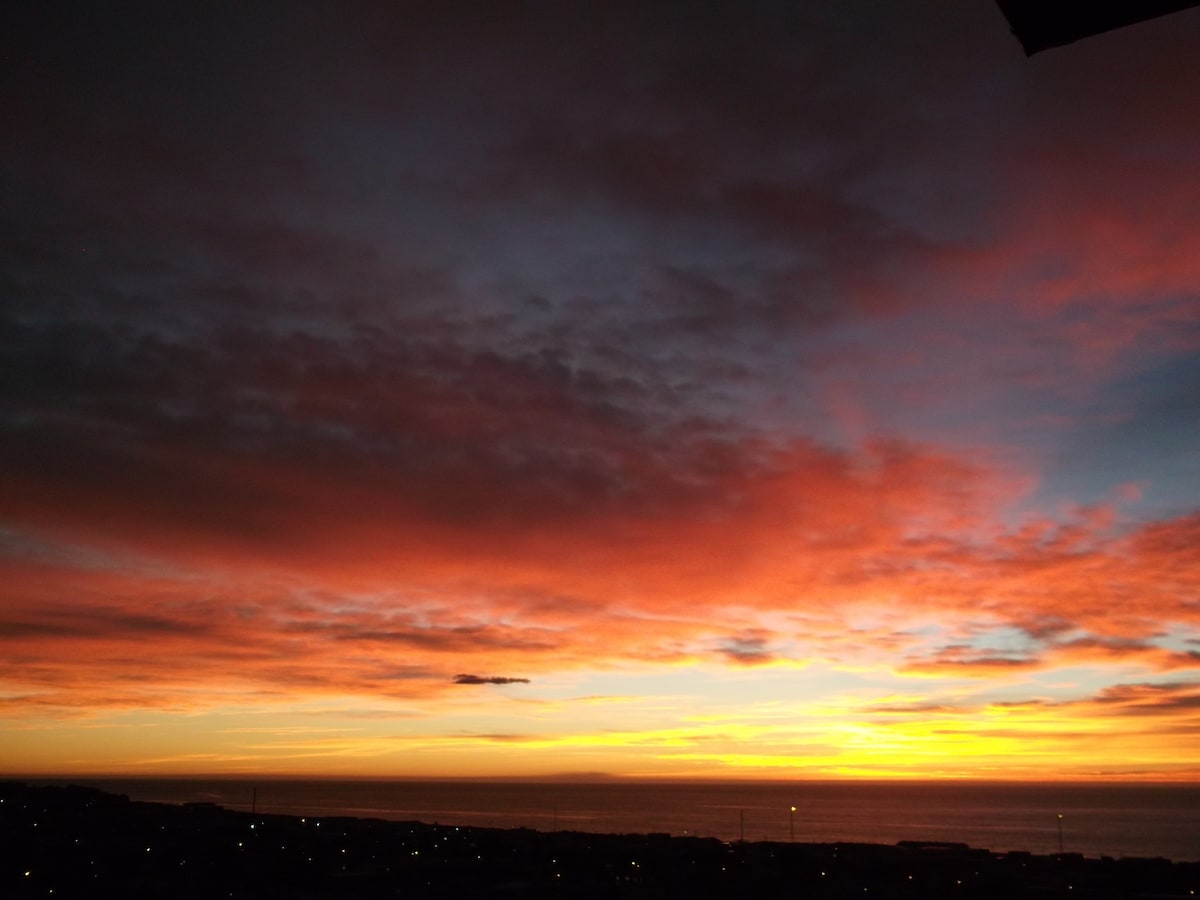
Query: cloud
[[918, 708], [655, 340], [892, 538], [1097, 650], [1151, 699], [747, 649], [956, 662], [490, 679]]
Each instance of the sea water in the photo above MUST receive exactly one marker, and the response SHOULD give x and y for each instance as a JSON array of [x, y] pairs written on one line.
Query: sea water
[[1118, 820]]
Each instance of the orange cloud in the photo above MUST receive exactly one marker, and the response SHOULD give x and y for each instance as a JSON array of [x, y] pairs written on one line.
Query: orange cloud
[[392, 605]]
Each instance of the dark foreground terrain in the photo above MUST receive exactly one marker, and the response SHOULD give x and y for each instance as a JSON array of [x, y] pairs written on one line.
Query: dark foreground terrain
[[80, 842]]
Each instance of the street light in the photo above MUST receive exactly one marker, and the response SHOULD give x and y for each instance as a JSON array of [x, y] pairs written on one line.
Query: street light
[[1060, 844], [792, 824]]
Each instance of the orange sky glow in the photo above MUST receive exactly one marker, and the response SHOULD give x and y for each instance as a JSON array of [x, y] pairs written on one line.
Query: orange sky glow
[[775, 394]]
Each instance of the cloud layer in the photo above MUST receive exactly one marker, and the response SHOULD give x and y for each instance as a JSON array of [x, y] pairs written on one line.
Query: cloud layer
[[839, 352]]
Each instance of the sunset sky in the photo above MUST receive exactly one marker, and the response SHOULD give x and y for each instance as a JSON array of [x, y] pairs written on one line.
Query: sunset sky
[[747, 390]]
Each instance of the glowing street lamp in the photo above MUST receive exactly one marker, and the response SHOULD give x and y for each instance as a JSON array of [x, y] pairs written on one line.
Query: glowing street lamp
[[1060, 843], [792, 824]]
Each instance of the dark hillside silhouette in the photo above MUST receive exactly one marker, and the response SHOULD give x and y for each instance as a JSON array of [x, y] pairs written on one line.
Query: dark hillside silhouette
[[81, 842]]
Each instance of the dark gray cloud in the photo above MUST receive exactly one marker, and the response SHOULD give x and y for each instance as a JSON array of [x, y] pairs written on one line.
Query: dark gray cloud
[[273, 234], [747, 649], [490, 679]]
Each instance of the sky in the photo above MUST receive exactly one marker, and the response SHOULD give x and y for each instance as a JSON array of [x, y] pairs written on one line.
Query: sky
[[755, 390]]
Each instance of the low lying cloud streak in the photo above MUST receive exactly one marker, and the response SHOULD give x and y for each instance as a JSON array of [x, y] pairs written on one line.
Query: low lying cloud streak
[[490, 679]]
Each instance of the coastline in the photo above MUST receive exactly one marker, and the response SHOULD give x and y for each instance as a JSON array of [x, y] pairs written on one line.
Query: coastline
[[80, 841], [1118, 820]]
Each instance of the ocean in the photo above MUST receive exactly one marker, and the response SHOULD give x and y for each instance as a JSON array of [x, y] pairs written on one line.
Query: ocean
[[1118, 820]]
